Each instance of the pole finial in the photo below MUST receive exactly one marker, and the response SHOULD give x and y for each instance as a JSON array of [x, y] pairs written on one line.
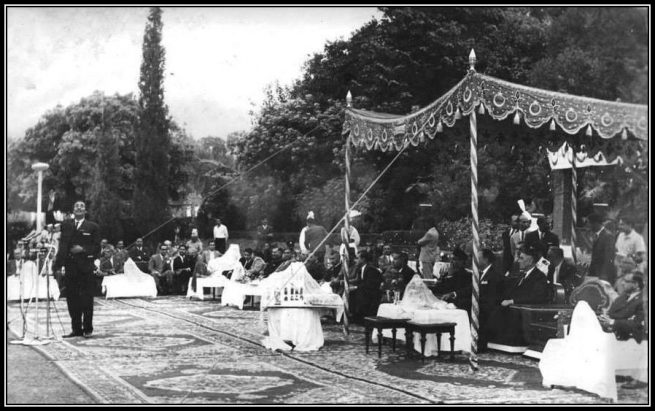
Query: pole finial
[[349, 99], [472, 60]]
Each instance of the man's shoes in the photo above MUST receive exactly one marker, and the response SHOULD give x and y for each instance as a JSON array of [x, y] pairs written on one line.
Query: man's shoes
[[88, 334], [634, 384], [72, 335]]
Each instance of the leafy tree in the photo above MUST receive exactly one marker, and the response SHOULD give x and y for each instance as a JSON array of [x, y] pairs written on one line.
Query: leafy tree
[[151, 177]]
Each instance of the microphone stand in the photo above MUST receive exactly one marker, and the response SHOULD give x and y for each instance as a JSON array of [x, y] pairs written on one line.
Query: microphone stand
[[38, 340], [23, 309]]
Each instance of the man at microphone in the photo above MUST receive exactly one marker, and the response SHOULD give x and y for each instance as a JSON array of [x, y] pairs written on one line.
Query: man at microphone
[[78, 248]]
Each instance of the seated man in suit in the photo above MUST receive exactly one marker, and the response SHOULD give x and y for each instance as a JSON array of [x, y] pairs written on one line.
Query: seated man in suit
[[456, 285], [140, 255], [491, 291], [399, 274], [182, 266], [333, 273], [253, 264], [365, 285], [625, 316], [276, 261], [562, 272], [159, 267], [531, 287]]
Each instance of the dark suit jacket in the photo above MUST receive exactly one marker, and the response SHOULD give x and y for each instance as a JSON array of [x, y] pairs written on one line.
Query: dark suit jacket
[[602, 257], [531, 290], [568, 276], [461, 283], [183, 264], [80, 266], [366, 298], [491, 291], [139, 256], [628, 317], [550, 239]]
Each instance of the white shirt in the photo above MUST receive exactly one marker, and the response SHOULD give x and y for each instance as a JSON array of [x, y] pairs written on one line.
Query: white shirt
[[484, 272], [301, 240], [220, 231], [629, 244]]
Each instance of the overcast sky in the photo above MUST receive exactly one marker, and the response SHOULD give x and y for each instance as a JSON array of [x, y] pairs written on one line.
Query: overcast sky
[[218, 60]]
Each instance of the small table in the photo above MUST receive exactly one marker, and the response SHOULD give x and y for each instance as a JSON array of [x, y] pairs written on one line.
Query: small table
[[382, 323], [433, 328]]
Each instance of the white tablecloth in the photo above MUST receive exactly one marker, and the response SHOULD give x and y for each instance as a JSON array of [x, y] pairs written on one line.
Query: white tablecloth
[[213, 281], [234, 293], [589, 358], [29, 287], [460, 317], [301, 326]]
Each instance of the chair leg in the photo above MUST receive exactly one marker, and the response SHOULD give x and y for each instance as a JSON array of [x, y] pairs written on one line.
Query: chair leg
[[438, 343], [409, 343], [423, 345], [393, 343], [379, 342], [452, 344], [367, 337]]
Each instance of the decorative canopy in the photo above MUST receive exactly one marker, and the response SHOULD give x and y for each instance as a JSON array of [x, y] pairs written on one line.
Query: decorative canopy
[[500, 99], [562, 158]]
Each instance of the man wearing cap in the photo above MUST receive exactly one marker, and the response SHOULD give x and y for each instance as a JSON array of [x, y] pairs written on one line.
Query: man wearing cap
[[78, 249], [603, 251], [311, 236], [531, 287]]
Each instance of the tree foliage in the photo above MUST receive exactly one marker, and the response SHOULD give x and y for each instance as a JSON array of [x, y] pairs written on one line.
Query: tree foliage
[[153, 141]]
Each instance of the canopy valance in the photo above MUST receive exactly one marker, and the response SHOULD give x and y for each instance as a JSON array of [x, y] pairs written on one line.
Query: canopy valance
[[499, 99]]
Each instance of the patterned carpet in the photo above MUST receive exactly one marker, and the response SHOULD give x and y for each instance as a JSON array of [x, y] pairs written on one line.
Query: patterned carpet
[[171, 350]]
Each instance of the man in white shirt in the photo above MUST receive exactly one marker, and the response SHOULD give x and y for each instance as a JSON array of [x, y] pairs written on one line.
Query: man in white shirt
[[630, 250], [220, 236]]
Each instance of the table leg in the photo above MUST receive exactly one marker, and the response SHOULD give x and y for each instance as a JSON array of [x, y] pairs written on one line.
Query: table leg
[[367, 337], [393, 333], [438, 343], [409, 344], [379, 342], [423, 345], [452, 343]]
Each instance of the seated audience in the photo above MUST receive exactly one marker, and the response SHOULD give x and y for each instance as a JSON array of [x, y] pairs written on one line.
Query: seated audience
[[315, 267], [456, 286], [254, 265], [182, 266], [491, 291], [274, 263], [194, 245], [159, 267], [120, 256], [287, 258], [562, 272], [625, 317], [365, 294], [140, 255], [386, 259], [104, 267], [398, 274], [333, 273], [15, 264], [630, 251], [211, 253], [530, 287]]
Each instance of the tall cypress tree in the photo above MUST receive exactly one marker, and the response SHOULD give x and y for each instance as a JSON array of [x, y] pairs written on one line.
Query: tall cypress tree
[[152, 140]]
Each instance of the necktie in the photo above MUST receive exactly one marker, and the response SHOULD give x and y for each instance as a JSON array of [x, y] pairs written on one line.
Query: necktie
[[78, 224]]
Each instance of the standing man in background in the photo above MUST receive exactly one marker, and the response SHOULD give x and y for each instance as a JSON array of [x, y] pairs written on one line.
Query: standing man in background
[[220, 236], [79, 247], [429, 244]]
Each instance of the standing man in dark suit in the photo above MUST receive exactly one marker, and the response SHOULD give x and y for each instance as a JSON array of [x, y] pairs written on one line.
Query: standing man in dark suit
[[542, 238], [508, 256], [603, 251], [183, 267], [78, 248]]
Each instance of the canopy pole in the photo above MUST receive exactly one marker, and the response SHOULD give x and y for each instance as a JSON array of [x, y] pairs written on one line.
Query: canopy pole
[[574, 204], [475, 308], [475, 294], [346, 239]]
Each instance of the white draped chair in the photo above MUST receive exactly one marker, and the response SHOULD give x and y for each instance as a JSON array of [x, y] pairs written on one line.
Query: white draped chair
[[132, 283], [25, 284], [589, 358]]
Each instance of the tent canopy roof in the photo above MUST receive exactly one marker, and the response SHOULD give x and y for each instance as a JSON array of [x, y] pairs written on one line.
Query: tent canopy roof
[[499, 99]]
